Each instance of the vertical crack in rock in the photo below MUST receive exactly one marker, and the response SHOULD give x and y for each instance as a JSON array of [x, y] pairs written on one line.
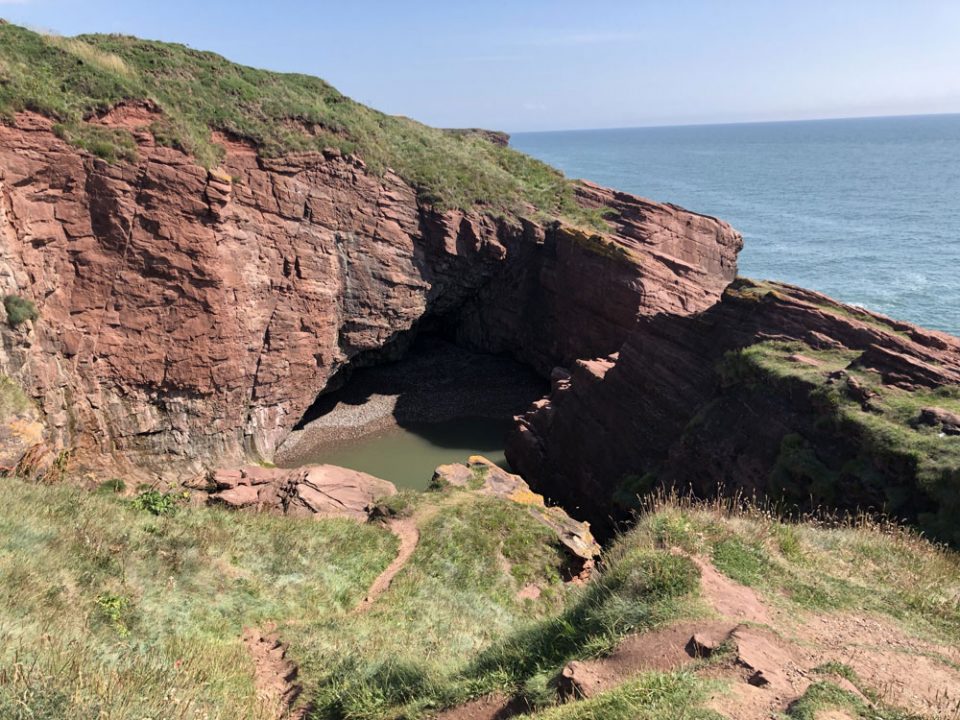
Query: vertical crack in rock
[[240, 354]]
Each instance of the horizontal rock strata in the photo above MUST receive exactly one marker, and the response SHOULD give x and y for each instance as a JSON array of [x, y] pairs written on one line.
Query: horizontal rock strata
[[775, 391]]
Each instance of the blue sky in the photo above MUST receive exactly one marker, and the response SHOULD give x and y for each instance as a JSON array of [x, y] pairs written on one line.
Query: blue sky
[[544, 65]]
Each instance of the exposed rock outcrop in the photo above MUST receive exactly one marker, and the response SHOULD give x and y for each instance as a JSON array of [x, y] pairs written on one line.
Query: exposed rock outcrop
[[315, 490], [482, 476], [190, 317], [775, 390]]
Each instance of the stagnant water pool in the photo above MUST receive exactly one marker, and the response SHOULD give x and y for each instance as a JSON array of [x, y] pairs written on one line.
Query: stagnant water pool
[[440, 404], [407, 456]]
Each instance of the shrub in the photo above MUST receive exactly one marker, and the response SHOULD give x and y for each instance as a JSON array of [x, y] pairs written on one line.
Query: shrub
[[19, 310], [113, 607], [155, 502]]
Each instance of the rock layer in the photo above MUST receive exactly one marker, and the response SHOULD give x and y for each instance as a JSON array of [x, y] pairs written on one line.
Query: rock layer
[[764, 393], [189, 318], [313, 490]]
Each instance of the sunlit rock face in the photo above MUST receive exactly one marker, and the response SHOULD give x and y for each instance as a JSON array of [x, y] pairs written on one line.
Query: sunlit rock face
[[188, 318]]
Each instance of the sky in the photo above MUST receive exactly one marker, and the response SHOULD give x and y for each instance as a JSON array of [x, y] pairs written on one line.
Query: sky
[[553, 64]]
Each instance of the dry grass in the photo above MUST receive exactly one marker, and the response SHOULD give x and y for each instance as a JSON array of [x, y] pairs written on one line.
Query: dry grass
[[108, 62], [112, 612]]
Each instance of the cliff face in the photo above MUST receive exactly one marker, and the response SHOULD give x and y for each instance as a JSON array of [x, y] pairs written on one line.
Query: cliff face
[[190, 317], [774, 391]]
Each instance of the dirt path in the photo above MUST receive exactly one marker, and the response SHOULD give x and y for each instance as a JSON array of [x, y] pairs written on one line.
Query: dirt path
[[768, 661], [489, 707], [274, 674], [406, 531], [730, 599]]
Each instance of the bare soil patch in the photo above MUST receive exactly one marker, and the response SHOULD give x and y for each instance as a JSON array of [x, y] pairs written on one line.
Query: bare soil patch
[[665, 649], [129, 115], [731, 599], [905, 671], [406, 531], [274, 674], [489, 707]]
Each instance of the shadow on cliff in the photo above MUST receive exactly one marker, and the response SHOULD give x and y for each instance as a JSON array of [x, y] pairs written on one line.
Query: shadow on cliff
[[449, 396], [775, 393]]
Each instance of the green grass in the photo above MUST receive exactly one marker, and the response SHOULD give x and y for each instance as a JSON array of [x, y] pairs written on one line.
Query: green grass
[[19, 310], [74, 79], [13, 400], [130, 608], [456, 597], [814, 567], [108, 611], [846, 450], [823, 696], [640, 589], [652, 696]]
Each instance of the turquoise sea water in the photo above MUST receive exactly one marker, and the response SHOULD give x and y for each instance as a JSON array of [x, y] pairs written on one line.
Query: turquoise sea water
[[865, 210]]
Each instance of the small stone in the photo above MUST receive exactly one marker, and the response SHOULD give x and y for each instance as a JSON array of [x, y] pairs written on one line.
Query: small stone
[[577, 681], [701, 645], [758, 679], [804, 360]]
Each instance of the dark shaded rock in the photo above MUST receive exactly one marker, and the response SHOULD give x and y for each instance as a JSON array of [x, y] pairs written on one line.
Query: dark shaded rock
[[702, 645], [949, 422], [661, 408]]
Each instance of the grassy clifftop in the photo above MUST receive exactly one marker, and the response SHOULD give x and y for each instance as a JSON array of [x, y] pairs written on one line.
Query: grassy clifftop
[[74, 79], [114, 608]]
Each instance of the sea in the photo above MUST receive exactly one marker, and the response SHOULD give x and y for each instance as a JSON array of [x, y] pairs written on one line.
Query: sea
[[865, 210]]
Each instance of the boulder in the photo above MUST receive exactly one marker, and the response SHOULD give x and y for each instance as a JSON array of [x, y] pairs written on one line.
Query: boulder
[[316, 490], [578, 681], [949, 422]]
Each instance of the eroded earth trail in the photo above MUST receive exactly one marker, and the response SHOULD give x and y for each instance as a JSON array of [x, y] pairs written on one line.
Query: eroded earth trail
[[409, 535], [275, 676], [764, 670]]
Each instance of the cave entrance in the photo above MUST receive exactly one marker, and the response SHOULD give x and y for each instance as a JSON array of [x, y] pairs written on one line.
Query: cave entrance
[[439, 404]]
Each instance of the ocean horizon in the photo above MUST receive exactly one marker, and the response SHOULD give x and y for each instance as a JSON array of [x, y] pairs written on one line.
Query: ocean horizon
[[866, 210]]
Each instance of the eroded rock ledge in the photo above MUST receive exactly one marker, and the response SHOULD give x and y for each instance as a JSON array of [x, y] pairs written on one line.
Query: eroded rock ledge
[[315, 490], [482, 476]]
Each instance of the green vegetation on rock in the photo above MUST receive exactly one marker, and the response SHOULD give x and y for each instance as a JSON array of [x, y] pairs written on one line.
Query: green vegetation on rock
[[194, 93], [19, 310], [858, 439]]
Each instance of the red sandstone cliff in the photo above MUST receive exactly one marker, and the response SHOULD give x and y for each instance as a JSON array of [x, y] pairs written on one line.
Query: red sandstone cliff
[[191, 317], [844, 408]]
